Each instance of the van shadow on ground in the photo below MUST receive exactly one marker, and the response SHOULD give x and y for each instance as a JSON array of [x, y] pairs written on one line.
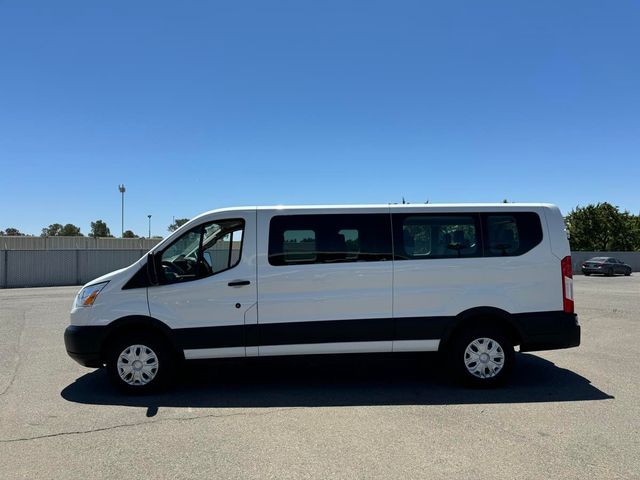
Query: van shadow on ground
[[338, 381]]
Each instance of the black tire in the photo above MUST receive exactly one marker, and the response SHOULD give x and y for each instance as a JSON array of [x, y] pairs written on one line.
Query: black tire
[[609, 272], [160, 377], [586, 274], [457, 357], [627, 273]]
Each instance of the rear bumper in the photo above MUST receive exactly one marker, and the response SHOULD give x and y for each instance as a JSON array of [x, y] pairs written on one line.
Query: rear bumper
[[84, 344], [548, 330], [593, 270]]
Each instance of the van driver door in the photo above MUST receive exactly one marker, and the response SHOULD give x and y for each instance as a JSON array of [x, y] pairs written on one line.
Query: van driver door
[[207, 286]]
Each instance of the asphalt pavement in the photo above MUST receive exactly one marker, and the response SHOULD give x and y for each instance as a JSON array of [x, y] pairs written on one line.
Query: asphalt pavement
[[566, 414]]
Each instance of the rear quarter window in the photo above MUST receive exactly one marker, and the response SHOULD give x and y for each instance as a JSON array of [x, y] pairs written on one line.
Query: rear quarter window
[[510, 233]]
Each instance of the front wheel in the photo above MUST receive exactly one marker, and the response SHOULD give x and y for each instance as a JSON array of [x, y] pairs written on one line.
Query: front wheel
[[627, 273], [482, 357], [139, 363]]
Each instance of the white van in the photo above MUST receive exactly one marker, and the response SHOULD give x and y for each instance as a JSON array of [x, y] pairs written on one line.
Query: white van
[[468, 280]]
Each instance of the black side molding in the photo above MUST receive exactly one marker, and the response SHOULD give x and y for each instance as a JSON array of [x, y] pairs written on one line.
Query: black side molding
[[538, 331]]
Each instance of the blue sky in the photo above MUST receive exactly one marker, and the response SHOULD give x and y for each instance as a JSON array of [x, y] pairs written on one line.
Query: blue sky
[[200, 105]]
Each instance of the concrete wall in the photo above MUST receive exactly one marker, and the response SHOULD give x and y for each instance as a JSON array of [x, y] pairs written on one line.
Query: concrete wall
[[630, 258]]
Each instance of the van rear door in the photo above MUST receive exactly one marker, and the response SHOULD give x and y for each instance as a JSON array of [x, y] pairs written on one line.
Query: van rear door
[[557, 232]]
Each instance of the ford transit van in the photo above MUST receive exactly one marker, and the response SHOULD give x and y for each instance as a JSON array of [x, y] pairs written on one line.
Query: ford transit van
[[471, 281]]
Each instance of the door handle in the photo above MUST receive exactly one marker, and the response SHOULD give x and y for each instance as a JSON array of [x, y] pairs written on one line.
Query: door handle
[[239, 283]]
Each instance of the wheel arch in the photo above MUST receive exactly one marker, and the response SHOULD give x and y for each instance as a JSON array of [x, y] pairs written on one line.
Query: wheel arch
[[137, 323], [482, 316]]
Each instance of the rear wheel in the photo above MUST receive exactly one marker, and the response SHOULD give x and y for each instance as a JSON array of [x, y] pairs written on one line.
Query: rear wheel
[[481, 357], [140, 363], [627, 273]]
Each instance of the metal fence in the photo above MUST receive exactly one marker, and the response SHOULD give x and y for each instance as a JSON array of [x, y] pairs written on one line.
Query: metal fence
[[56, 261], [73, 243]]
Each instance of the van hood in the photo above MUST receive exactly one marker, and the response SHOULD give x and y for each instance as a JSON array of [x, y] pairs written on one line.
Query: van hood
[[119, 276]]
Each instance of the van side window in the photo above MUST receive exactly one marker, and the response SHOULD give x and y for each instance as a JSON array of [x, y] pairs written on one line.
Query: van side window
[[203, 251], [429, 236], [352, 242], [299, 246], [333, 238], [510, 234]]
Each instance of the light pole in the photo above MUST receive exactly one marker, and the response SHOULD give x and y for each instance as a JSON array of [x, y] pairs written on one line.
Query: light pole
[[149, 225], [122, 190]]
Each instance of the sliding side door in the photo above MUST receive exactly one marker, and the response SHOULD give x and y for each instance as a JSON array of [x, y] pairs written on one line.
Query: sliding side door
[[324, 282]]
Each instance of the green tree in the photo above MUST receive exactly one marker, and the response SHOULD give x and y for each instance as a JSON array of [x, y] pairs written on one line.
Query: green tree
[[58, 230], [99, 229], [13, 232], [177, 224], [635, 231], [129, 234], [70, 230], [52, 230], [602, 227]]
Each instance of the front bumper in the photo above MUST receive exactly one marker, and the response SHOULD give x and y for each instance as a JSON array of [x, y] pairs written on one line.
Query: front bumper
[[548, 330], [84, 344]]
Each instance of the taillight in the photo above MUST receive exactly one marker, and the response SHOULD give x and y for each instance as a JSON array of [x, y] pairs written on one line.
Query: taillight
[[567, 284]]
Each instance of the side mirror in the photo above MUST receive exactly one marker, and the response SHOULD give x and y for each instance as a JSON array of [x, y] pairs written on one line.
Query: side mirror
[[152, 269]]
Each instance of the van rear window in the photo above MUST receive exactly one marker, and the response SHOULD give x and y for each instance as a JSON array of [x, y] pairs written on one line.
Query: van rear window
[[510, 234], [438, 235]]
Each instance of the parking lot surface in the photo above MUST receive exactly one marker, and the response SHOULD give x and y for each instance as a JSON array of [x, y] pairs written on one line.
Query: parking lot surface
[[567, 414]]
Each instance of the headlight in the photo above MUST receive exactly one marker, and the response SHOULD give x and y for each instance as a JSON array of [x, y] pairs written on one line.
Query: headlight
[[88, 295]]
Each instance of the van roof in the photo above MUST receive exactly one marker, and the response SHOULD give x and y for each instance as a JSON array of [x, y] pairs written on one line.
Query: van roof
[[408, 205], [372, 208], [385, 207]]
